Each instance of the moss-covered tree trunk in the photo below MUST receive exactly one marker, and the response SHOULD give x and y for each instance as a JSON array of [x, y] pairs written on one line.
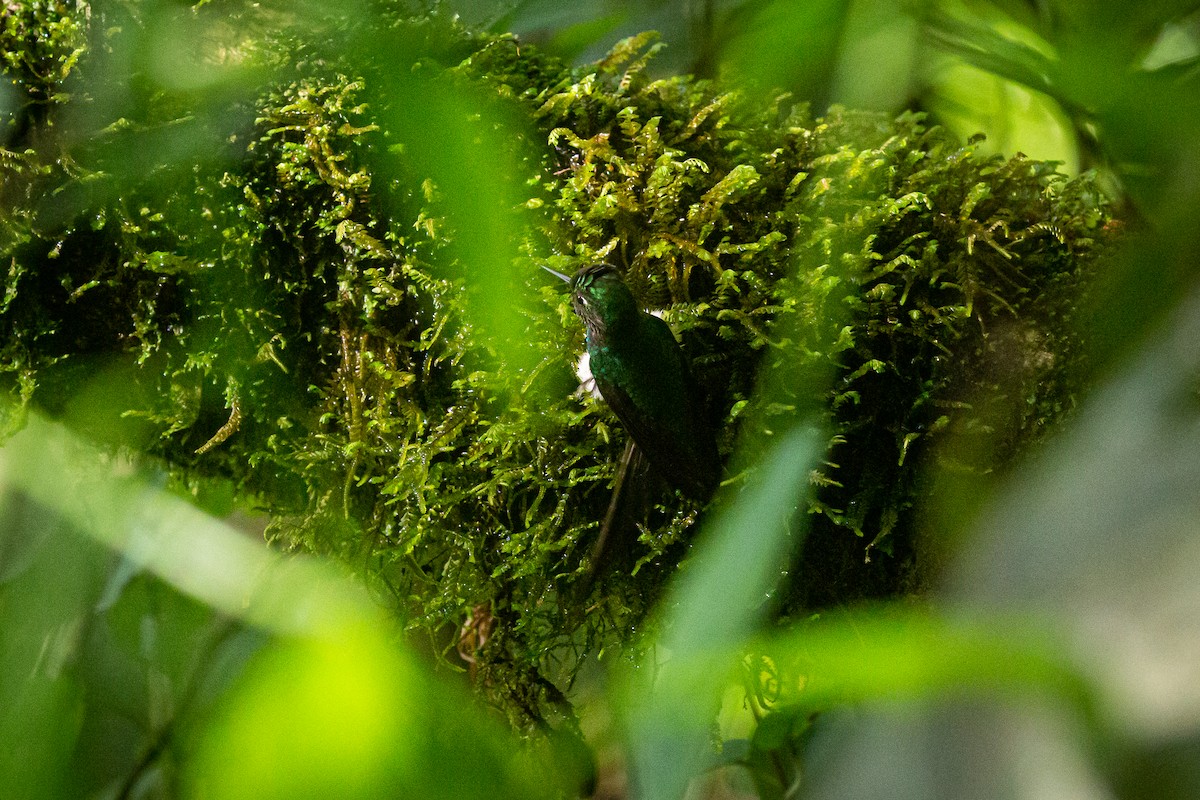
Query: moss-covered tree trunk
[[263, 284]]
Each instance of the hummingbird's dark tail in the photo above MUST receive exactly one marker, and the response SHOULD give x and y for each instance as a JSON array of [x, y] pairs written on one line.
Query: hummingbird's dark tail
[[630, 501]]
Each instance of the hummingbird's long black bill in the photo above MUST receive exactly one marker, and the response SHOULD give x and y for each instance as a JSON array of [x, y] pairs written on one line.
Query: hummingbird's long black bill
[[557, 274]]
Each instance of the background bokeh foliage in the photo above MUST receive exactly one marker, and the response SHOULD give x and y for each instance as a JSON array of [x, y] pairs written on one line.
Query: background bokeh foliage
[[281, 260]]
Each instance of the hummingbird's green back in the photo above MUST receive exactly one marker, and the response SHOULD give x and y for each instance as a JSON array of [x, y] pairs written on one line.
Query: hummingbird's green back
[[642, 374]]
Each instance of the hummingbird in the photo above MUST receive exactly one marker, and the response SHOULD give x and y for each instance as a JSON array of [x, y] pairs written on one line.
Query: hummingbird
[[643, 376]]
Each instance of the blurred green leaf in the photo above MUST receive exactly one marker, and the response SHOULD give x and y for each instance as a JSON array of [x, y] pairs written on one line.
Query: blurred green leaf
[[170, 538], [332, 708], [316, 718], [968, 100], [900, 652], [877, 60], [40, 691], [950, 746], [567, 29], [787, 45], [712, 609], [1002, 48], [1100, 534], [349, 715], [471, 147]]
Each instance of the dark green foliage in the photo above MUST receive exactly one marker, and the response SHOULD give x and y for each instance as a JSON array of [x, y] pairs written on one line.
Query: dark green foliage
[[287, 313]]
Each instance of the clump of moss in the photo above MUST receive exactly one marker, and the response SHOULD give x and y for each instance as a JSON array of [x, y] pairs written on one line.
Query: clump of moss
[[282, 318]]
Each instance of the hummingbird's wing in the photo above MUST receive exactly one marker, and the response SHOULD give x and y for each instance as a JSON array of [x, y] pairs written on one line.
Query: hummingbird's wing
[[683, 462], [659, 404]]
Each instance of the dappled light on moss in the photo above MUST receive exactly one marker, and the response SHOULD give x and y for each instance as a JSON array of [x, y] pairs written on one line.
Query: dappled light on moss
[[281, 262], [338, 311]]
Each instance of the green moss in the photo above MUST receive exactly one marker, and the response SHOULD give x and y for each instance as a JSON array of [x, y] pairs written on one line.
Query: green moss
[[291, 317]]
